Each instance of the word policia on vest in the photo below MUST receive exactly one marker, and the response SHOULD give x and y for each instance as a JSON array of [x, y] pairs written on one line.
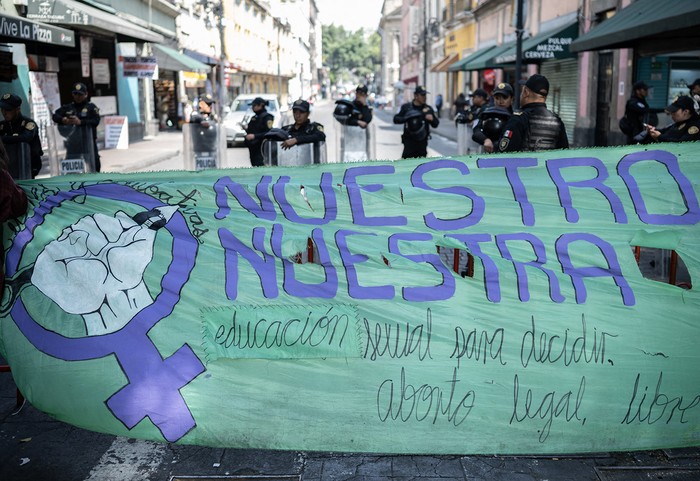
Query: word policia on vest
[[446, 305]]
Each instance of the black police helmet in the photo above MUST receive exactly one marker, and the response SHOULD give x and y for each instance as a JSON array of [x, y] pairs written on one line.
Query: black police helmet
[[416, 126], [343, 111], [276, 134], [493, 120]]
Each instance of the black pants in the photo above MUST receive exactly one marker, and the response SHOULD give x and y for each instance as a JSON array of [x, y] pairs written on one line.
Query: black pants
[[413, 149], [255, 152]]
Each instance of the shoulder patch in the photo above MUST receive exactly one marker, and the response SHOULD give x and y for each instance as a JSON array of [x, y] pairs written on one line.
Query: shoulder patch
[[640, 105], [693, 130], [319, 127], [519, 112], [503, 144], [270, 123], [30, 126]]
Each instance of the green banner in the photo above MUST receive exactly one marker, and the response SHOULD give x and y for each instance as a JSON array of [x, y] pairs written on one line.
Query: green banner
[[538, 303]]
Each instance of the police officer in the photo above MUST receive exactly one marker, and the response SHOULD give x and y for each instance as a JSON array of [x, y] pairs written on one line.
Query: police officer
[[363, 113], [639, 115], [302, 131], [16, 129], [686, 123], [204, 114], [261, 123], [535, 127], [416, 117], [84, 114], [492, 120]]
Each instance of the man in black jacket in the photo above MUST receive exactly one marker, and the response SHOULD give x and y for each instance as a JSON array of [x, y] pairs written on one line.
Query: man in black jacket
[[84, 115], [17, 129], [257, 127], [535, 127], [302, 131], [639, 115], [416, 116]]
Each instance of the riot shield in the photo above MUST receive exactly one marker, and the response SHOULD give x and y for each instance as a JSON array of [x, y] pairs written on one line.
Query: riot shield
[[71, 149], [355, 144], [465, 144], [304, 154], [203, 147], [20, 167]]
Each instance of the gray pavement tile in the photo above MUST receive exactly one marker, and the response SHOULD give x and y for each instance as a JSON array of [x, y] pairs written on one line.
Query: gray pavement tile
[[375, 466], [337, 468], [428, 466]]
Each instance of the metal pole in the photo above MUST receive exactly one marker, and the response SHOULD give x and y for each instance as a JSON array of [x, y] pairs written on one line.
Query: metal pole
[[518, 53], [279, 72], [425, 42]]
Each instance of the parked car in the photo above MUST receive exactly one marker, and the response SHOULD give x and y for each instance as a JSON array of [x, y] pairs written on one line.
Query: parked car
[[241, 111]]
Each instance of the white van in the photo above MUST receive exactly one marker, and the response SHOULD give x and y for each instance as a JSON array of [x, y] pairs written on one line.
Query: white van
[[241, 111]]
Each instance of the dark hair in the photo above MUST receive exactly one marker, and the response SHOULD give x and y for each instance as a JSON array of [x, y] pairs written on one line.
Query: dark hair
[[4, 158]]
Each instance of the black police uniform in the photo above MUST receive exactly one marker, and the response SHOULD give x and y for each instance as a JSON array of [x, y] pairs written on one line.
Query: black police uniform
[[307, 133], [360, 112], [686, 131], [89, 116], [638, 113], [415, 144], [259, 125], [533, 128], [491, 124], [22, 129]]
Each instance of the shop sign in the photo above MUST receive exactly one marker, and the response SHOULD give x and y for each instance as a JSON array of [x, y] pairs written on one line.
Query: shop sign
[[140, 67], [56, 12], [22, 29], [116, 132]]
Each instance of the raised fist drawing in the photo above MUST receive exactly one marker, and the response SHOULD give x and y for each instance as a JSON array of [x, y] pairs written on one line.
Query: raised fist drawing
[[96, 267]]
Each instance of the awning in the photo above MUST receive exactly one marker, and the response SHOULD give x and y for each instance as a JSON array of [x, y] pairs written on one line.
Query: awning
[[28, 30], [70, 12], [443, 64], [553, 44], [170, 59], [485, 58], [459, 66], [645, 23], [201, 57]]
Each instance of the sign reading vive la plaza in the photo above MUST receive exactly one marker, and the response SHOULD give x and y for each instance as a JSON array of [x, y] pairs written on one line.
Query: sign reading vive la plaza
[[27, 30]]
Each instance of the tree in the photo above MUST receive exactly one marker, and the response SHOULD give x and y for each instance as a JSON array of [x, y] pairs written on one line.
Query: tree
[[350, 56]]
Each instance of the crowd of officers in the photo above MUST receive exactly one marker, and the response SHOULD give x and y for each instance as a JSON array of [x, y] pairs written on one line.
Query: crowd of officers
[[494, 124], [497, 128]]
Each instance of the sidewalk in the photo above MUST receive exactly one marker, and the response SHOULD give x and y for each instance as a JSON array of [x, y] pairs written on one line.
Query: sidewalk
[[143, 153]]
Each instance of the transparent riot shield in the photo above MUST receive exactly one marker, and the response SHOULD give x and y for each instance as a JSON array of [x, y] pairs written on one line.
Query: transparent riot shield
[[20, 167], [465, 144], [203, 147], [305, 154], [71, 149], [355, 144]]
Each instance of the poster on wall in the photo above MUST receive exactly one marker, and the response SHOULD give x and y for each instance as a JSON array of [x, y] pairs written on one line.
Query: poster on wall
[[100, 71], [317, 307], [45, 100]]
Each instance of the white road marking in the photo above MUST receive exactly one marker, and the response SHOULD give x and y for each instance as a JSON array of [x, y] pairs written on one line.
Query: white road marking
[[128, 460]]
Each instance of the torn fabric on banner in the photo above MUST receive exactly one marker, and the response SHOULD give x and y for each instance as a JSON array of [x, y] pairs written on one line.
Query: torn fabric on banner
[[494, 304]]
